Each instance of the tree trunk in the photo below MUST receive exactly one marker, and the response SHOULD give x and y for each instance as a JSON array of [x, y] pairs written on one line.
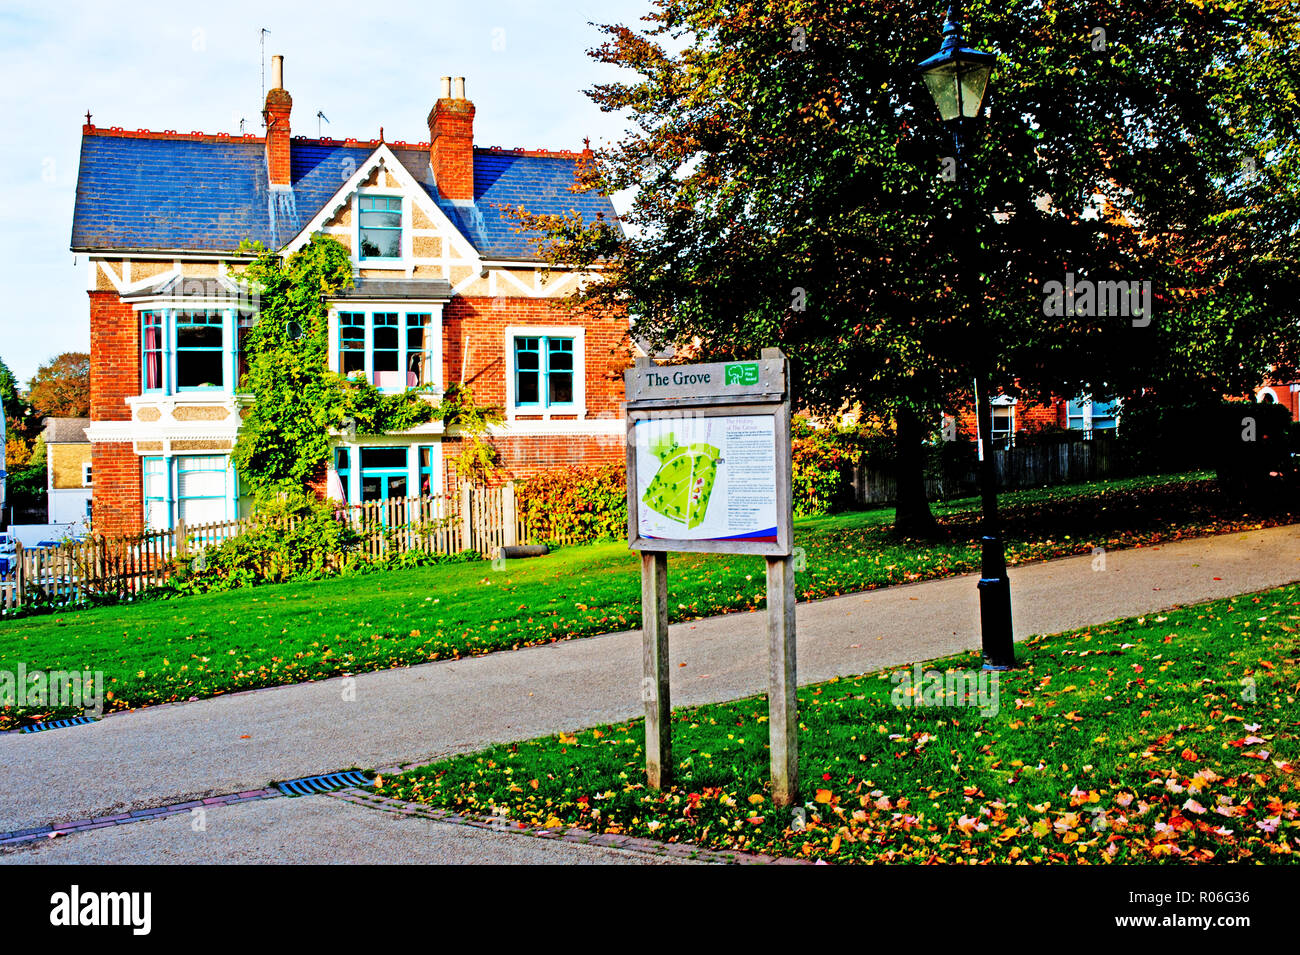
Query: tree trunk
[[912, 517]]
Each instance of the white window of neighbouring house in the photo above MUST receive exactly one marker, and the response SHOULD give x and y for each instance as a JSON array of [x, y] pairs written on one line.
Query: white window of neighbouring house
[[380, 227], [200, 350], [86, 475], [1004, 425], [202, 489]]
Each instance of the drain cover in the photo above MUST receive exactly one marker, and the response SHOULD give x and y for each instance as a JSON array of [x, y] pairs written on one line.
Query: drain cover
[[328, 783], [57, 724]]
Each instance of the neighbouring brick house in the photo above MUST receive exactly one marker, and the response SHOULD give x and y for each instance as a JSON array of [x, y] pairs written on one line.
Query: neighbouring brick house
[[1013, 417], [446, 291]]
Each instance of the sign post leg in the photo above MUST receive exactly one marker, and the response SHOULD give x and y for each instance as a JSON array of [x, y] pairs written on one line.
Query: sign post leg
[[782, 695], [654, 659]]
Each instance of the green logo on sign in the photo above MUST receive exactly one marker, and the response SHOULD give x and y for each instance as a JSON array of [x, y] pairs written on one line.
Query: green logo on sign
[[745, 374]]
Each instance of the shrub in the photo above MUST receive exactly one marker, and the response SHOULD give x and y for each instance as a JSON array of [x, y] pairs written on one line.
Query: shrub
[[823, 460], [295, 538], [575, 504]]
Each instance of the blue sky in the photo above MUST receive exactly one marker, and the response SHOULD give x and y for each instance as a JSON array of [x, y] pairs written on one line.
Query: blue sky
[[196, 67]]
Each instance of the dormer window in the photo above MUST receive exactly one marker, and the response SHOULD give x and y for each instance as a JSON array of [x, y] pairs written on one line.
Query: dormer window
[[380, 227]]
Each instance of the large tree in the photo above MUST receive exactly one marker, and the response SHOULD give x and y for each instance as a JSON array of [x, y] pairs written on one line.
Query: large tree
[[61, 387], [792, 189]]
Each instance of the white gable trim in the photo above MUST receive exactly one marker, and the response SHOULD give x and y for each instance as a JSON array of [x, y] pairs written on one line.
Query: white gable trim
[[383, 158]]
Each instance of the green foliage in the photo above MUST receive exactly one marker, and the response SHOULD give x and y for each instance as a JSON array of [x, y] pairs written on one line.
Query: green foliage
[[284, 441], [823, 459], [576, 504], [10, 402], [294, 539]]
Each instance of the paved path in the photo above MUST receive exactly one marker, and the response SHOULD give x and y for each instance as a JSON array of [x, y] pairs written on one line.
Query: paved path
[[173, 753], [313, 830]]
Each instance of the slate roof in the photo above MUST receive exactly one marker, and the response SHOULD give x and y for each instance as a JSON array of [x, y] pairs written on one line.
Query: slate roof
[[204, 194], [382, 290], [66, 430]]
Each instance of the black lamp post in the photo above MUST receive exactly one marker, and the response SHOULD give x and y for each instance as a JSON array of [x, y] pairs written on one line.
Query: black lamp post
[[957, 77]]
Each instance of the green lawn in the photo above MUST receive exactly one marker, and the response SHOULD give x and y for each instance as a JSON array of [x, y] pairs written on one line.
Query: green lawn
[[1169, 738], [165, 650]]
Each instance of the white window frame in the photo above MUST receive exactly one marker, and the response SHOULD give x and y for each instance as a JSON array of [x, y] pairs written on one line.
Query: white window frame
[[578, 333], [86, 475], [402, 309]]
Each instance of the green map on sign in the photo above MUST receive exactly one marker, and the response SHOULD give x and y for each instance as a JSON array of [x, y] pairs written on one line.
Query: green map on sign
[[681, 487]]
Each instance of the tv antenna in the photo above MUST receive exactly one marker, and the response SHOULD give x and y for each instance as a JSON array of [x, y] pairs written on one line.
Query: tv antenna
[[262, 44], [320, 116]]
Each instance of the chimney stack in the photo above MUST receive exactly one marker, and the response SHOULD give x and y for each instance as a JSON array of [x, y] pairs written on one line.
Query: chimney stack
[[451, 138], [276, 115]]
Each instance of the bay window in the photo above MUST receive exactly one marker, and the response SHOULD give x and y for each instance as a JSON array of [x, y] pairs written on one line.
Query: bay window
[[195, 488], [192, 349]]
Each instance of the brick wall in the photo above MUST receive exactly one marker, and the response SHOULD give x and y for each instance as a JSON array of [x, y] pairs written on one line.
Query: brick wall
[[118, 494], [1030, 416], [114, 357], [477, 326], [451, 150]]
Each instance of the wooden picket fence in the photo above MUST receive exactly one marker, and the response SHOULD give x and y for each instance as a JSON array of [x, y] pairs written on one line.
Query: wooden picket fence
[[481, 519]]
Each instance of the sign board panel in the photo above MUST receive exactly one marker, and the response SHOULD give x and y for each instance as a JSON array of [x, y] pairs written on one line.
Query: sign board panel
[[708, 457], [706, 478], [734, 380]]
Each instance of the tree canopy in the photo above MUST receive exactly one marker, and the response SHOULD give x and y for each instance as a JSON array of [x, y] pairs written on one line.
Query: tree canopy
[[61, 387], [792, 189]]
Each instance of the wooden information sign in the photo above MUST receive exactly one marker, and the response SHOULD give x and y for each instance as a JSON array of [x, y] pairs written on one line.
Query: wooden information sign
[[708, 469]]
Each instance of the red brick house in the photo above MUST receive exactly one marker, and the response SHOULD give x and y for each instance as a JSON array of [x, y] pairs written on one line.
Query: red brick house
[[447, 290]]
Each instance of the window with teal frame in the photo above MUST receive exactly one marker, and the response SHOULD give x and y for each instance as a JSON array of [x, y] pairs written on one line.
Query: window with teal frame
[[200, 350], [151, 350], [384, 473], [343, 465], [202, 488], [426, 470], [385, 341], [381, 226], [543, 371], [352, 342], [157, 512]]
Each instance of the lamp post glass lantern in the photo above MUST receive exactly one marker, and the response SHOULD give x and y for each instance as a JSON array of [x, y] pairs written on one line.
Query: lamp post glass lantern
[[957, 78]]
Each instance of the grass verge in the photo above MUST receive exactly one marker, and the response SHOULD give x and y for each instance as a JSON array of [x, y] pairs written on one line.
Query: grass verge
[[162, 651], [1169, 738]]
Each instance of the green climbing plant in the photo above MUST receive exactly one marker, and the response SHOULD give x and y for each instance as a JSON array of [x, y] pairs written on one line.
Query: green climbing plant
[[284, 441]]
